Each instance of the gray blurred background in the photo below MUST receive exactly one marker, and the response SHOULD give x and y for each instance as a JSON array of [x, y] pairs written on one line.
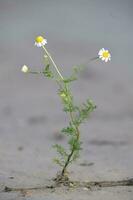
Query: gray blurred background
[[30, 111]]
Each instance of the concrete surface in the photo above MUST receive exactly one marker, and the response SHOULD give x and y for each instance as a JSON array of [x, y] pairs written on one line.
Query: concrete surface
[[30, 111]]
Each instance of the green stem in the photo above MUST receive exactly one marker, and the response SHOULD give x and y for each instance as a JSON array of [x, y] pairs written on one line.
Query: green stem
[[71, 113], [69, 156], [67, 162], [73, 148], [48, 54]]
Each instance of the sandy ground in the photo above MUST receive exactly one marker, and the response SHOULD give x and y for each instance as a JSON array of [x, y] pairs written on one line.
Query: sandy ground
[[30, 111]]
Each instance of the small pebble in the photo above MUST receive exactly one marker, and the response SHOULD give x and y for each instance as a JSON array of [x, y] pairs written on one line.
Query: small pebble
[[71, 185], [85, 188]]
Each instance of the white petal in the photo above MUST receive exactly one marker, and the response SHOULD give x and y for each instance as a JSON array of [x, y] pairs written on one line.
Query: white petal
[[103, 58], [100, 52], [106, 60], [25, 69], [39, 44], [44, 42]]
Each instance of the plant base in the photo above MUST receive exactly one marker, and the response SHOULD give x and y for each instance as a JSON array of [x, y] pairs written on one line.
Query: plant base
[[62, 179]]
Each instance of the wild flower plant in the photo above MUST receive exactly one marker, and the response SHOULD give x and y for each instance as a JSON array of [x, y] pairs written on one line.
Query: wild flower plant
[[77, 114]]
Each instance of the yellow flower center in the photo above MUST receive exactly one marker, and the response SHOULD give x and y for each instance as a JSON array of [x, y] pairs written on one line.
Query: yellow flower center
[[39, 39], [106, 54]]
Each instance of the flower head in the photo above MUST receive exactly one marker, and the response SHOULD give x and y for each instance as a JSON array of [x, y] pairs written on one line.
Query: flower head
[[40, 41], [25, 69], [104, 55]]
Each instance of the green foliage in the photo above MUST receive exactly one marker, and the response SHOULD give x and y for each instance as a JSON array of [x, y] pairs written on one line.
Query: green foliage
[[76, 114], [47, 72], [75, 156], [58, 162], [75, 146], [84, 111], [62, 153], [74, 143], [69, 130], [67, 100], [75, 71], [70, 79], [60, 150]]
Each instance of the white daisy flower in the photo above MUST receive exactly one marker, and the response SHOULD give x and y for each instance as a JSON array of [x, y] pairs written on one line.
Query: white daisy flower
[[25, 69], [40, 41], [104, 55]]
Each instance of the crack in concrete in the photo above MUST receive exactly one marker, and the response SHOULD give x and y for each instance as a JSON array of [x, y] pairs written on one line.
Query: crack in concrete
[[74, 184]]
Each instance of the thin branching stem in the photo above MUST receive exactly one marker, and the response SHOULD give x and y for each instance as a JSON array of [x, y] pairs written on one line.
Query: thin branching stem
[[77, 138], [48, 54], [70, 112]]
